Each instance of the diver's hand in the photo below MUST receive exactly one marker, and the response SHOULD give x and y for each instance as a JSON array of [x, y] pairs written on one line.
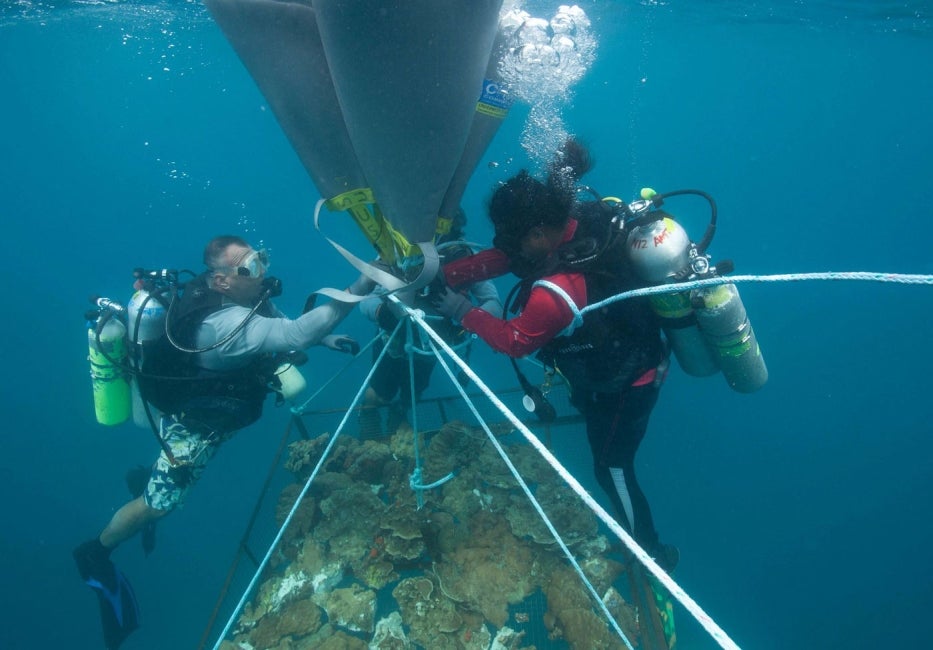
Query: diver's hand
[[451, 304], [341, 343]]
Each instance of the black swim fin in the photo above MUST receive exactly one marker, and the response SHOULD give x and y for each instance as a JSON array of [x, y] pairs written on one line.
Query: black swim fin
[[137, 478], [119, 611]]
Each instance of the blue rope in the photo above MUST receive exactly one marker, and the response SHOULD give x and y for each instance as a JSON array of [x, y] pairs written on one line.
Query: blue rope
[[415, 481], [416, 475]]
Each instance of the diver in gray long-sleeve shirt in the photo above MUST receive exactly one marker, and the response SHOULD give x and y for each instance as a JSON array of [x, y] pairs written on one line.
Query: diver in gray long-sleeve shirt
[[226, 315]]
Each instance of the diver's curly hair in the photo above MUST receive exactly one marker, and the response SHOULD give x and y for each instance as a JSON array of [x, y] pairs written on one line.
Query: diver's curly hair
[[523, 202], [571, 162]]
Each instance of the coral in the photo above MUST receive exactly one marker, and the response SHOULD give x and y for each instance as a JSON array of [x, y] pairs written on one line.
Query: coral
[[601, 571], [432, 619], [474, 550], [337, 640], [293, 585], [368, 463], [377, 574], [454, 447], [506, 639], [570, 615], [390, 635], [563, 508], [349, 537], [403, 521], [303, 455], [304, 516], [624, 614], [297, 619], [488, 571], [352, 608]]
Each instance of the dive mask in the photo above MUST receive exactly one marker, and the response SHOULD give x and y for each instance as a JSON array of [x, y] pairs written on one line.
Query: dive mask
[[254, 264]]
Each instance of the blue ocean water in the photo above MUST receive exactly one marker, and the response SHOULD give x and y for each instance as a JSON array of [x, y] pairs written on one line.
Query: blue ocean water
[[132, 134]]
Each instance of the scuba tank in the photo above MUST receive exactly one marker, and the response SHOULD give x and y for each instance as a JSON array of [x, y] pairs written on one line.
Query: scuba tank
[[107, 355], [721, 316], [708, 328], [659, 252], [146, 318]]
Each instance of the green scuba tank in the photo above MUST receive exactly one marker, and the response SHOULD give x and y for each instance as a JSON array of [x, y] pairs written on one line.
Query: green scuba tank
[[108, 357], [721, 316]]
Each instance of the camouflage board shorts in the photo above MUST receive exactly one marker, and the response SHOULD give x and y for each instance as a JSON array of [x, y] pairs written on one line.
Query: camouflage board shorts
[[169, 484]]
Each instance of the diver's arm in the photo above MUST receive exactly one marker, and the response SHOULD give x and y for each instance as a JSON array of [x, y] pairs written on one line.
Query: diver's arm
[[260, 334], [545, 315], [490, 263]]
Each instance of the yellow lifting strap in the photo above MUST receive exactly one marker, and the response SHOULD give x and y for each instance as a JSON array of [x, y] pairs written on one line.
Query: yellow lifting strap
[[444, 224], [362, 206], [402, 245]]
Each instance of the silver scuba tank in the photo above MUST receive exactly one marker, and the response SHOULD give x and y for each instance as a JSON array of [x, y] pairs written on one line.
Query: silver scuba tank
[[660, 252], [146, 321]]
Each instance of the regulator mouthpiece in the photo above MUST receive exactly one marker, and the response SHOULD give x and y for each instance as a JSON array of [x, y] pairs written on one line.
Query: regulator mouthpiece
[[169, 275], [272, 285], [108, 304]]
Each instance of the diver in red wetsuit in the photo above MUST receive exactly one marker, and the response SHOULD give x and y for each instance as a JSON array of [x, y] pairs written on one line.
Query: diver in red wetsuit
[[568, 256]]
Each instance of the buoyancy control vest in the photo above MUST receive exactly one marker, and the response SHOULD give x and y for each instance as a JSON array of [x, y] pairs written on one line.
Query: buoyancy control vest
[[172, 380], [614, 345]]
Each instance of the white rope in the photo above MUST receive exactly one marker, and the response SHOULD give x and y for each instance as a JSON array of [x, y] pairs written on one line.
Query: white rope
[[677, 287], [675, 590]]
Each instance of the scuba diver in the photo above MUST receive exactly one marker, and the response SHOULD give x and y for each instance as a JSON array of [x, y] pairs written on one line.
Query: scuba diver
[[207, 376], [392, 378], [614, 359]]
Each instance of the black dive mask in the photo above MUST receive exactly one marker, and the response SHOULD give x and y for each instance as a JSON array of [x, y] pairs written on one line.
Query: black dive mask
[[272, 285], [510, 243]]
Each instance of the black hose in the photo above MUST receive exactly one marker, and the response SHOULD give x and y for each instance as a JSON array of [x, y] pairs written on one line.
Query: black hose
[[710, 229]]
